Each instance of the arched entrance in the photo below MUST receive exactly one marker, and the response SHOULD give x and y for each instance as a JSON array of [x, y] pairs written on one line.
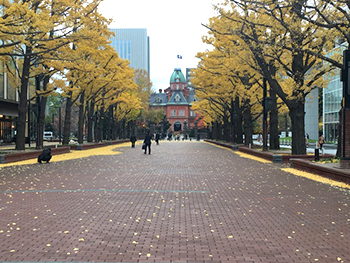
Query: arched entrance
[[177, 126]]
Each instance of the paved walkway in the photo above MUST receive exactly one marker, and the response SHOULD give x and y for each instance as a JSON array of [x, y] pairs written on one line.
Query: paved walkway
[[186, 202]]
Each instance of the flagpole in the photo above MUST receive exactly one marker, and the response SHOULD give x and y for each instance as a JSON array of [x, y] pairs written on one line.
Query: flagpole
[[178, 57]]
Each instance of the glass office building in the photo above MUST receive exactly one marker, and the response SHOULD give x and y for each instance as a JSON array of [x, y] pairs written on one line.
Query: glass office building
[[332, 97], [132, 44]]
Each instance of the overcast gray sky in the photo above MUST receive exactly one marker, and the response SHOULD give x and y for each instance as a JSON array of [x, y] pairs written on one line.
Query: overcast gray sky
[[174, 28]]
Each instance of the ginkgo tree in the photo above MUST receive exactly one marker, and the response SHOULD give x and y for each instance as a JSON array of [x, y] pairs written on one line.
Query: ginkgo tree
[[98, 81], [33, 34], [276, 35], [227, 80], [332, 17]]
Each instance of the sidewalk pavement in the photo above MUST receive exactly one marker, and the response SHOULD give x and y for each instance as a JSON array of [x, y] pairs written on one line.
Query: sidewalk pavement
[[12, 146], [328, 148], [186, 202]]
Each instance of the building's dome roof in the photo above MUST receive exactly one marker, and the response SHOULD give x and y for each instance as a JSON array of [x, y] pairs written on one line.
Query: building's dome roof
[[177, 76]]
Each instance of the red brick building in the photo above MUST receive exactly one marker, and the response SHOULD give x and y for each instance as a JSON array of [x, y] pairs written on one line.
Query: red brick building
[[176, 103]]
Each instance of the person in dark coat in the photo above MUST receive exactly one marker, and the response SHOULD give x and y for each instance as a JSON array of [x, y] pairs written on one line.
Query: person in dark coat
[[45, 156], [157, 138], [133, 140], [147, 142]]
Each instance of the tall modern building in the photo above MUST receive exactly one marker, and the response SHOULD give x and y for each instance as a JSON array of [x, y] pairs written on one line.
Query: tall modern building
[[8, 104], [133, 44], [311, 115], [8, 107], [332, 98], [189, 72]]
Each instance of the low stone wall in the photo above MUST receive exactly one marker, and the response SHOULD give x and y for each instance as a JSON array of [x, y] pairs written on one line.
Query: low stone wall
[[335, 172], [270, 156], [261, 154], [25, 155], [223, 144], [300, 162], [93, 145], [88, 146], [280, 158]]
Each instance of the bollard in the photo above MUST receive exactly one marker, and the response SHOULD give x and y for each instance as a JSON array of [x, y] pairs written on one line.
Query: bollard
[[317, 154]]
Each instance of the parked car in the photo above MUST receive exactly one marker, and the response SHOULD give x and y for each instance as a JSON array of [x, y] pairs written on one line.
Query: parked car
[[48, 135]]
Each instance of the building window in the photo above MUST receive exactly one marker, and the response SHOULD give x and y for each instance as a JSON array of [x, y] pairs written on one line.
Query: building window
[[173, 113], [123, 47], [181, 113], [158, 100], [177, 97], [193, 113]]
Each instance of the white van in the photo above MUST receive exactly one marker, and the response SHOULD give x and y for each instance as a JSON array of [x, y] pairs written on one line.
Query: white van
[[48, 135]]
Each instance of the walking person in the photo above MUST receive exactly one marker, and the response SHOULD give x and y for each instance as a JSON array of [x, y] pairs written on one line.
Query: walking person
[[321, 141], [148, 142], [157, 138], [133, 140], [306, 140]]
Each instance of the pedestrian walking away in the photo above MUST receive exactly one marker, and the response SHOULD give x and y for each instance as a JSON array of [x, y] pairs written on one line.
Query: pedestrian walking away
[[133, 140], [157, 138], [148, 142]]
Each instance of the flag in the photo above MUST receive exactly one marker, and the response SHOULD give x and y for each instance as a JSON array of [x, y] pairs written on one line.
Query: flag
[[179, 56]]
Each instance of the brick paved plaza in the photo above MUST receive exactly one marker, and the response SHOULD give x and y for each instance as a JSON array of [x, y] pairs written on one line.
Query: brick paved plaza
[[186, 202]]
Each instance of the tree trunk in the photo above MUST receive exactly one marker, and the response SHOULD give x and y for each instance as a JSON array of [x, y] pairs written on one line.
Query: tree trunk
[[41, 102], [22, 107], [39, 119], [81, 118], [114, 125], [274, 138], [67, 119], [238, 122], [90, 121], [100, 125], [123, 128], [232, 120], [340, 129], [220, 131], [110, 123], [286, 124], [128, 129], [215, 130], [95, 127], [297, 114], [226, 129], [248, 124]]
